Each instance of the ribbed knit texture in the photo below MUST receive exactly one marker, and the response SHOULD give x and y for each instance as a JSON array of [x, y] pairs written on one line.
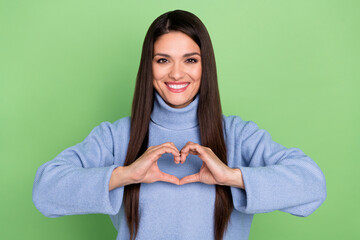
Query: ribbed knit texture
[[76, 181]]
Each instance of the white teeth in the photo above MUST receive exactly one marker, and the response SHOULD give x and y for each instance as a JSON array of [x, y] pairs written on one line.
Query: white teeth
[[178, 86]]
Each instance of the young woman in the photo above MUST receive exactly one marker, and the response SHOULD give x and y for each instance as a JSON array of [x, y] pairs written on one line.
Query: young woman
[[178, 168]]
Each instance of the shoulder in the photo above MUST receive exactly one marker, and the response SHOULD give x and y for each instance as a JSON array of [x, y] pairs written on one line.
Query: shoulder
[[232, 120], [106, 127], [120, 127], [108, 131], [236, 125], [122, 123]]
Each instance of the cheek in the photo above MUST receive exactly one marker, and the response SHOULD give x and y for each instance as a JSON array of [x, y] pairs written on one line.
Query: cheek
[[196, 74], [198, 77], [158, 72]]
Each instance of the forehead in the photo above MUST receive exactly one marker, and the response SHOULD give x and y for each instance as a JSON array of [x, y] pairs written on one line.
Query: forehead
[[175, 42]]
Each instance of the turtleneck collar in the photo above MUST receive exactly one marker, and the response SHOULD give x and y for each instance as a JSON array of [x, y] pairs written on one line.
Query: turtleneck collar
[[174, 118]]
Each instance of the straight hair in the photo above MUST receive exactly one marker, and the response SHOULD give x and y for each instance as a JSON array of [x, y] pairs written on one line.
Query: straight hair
[[209, 112]]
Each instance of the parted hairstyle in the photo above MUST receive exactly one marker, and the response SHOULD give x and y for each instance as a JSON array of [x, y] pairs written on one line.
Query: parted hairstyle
[[209, 112]]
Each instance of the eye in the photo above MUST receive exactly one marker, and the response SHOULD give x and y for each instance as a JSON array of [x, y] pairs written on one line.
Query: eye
[[191, 60], [162, 60]]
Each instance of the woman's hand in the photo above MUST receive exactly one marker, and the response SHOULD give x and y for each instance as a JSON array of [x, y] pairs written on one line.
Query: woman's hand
[[145, 169], [213, 170]]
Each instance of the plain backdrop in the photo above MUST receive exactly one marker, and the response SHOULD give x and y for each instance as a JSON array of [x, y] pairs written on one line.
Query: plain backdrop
[[292, 67]]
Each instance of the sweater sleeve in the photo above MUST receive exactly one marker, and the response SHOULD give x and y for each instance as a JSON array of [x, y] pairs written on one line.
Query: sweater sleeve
[[276, 178], [77, 180]]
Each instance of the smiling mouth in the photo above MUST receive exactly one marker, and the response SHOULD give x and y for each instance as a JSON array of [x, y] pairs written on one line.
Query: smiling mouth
[[177, 86]]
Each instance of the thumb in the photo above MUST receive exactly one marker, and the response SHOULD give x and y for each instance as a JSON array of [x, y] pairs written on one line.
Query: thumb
[[168, 178], [190, 179]]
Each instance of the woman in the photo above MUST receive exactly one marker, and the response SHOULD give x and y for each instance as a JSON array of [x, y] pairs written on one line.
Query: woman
[[178, 168]]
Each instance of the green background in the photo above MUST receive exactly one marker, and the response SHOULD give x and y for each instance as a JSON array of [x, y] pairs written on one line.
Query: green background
[[290, 66]]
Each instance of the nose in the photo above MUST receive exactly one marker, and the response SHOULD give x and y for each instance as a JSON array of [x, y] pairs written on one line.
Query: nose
[[176, 72]]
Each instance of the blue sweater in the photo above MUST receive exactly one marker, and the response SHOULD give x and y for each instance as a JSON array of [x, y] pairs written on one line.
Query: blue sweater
[[76, 181]]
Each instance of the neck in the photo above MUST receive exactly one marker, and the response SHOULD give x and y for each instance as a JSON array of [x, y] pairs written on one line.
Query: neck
[[174, 118]]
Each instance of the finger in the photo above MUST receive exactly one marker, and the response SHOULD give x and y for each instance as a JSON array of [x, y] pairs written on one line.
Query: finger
[[191, 148], [167, 144], [185, 152], [158, 152], [190, 179], [171, 144], [176, 158]]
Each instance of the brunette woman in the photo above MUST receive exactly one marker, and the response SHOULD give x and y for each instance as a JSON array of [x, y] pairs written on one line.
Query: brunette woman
[[178, 168]]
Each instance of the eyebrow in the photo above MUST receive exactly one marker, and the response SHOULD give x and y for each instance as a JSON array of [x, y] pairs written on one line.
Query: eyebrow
[[185, 55]]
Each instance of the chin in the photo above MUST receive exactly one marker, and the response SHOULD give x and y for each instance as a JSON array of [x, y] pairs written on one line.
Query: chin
[[178, 104]]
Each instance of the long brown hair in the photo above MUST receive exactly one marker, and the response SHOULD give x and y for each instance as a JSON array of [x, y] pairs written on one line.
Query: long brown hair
[[209, 112]]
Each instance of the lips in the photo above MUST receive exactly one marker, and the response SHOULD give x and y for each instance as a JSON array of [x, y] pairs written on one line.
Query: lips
[[177, 87]]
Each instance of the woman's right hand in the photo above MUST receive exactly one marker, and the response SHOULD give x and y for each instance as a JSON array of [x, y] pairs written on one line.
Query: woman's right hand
[[145, 169]]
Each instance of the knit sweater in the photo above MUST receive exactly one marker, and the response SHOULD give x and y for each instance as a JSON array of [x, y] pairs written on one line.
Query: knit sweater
[[76, 181]]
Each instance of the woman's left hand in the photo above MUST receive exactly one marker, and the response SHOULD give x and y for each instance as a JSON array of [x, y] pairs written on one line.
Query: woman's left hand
[[213, 170]]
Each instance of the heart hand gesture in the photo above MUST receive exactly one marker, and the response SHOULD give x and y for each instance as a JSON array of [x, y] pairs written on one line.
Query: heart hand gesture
[[213, 170], [145, 169]]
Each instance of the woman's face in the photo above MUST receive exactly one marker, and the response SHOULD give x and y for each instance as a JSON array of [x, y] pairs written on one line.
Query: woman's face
[[176, 68]]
